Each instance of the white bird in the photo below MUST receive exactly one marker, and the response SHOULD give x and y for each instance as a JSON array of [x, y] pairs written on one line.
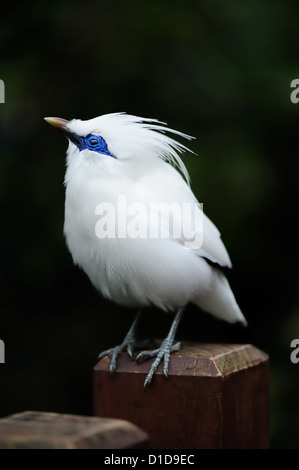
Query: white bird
[[119, 155]]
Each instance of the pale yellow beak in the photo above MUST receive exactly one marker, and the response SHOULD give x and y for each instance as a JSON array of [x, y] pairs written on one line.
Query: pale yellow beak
[[59, 123]]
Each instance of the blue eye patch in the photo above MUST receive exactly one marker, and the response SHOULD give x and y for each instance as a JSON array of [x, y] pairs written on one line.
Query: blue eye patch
[[92, 142]]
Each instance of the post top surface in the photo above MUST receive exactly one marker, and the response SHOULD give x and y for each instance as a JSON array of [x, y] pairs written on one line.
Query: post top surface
[[197, 359]]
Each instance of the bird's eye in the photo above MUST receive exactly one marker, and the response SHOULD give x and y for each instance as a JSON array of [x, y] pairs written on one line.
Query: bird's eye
[[93, 141]]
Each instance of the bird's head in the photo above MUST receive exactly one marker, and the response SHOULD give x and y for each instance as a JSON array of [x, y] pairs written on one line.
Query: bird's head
[[107, 142]]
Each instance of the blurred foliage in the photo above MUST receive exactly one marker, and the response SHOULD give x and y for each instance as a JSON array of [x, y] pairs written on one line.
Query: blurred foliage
[[220, 71]]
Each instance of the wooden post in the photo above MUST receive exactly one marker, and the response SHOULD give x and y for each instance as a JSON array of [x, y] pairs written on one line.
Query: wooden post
[[216, 397], [42, 430]]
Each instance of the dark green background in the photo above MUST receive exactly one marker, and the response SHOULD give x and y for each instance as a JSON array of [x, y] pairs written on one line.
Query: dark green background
[[220, 71]]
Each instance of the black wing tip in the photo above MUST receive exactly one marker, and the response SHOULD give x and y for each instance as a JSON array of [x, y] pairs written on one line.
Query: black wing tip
[[224, 268]]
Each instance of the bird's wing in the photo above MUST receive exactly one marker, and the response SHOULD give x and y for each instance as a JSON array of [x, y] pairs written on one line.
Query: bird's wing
[[207, 238], [209, 244]]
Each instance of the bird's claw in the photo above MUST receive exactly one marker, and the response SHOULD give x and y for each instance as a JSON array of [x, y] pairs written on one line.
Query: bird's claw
[[145, 355], [130, 350], [161, 353], [128, 344], [115, 353]]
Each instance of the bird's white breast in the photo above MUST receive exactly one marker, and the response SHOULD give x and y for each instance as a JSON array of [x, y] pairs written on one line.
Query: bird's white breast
[[130, 271]]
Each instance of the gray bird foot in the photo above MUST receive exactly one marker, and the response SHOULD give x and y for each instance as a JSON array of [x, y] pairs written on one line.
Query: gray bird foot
[[129, 344], [125, 345], [163, 352]]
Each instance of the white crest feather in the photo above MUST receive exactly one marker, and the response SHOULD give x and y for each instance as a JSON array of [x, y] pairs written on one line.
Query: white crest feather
[[129, 136]]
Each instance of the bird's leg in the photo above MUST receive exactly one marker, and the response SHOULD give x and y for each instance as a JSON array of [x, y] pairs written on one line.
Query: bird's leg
[[163, 352], [128, 343]]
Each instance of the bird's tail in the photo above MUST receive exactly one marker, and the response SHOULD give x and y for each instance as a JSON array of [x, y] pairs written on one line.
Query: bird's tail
[[220, 300]]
